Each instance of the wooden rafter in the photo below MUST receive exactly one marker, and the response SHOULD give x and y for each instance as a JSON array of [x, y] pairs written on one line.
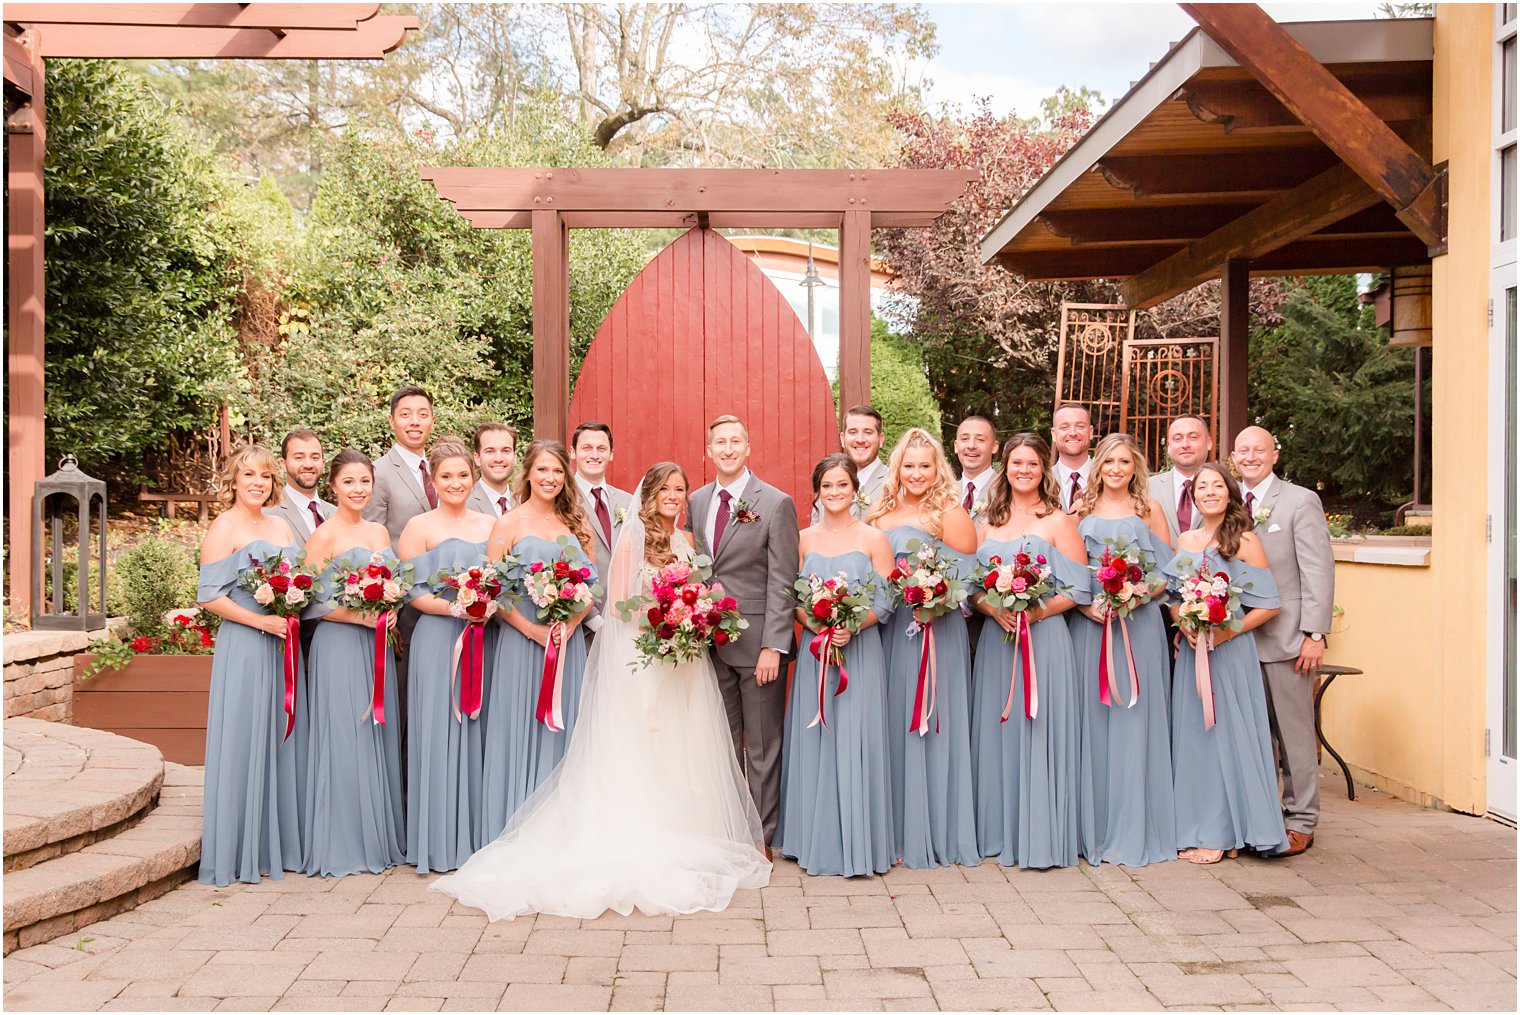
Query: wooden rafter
[[1338, 118], [1225, 175], [257, 15], [1240, 105], [368, 40]]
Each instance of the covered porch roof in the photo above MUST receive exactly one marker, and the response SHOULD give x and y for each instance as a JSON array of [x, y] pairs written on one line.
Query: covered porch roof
[[1201, 163]]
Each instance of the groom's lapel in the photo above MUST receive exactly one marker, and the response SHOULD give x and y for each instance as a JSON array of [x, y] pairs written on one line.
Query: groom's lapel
[[753, 492]]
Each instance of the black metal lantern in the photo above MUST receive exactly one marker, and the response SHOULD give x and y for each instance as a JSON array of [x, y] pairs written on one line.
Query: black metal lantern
[[49, 503]]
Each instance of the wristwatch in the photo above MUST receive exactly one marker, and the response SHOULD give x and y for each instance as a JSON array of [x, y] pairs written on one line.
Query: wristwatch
[[1314, 636]]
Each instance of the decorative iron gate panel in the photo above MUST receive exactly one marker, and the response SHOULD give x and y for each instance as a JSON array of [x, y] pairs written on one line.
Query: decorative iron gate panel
[[1134, 385]]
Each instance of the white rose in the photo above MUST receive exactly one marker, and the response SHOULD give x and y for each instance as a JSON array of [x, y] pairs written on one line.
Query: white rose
[[263, 595], [294, 596], [392, 591], [466, 596]]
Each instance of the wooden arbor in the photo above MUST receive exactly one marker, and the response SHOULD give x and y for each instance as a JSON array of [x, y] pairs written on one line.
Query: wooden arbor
[[33, 33], [552, 201]]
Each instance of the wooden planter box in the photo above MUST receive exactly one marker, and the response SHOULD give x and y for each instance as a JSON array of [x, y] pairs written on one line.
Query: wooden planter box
[[159, 700]]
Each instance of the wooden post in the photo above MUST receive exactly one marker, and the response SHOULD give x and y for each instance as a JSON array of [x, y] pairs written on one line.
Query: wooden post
[[26, 443], [854, 310], [1234, 353], [551, 326]]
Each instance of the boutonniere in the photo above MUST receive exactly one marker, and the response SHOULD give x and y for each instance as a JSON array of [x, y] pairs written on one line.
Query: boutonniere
[[618, 514], [979, 508], [743, 513], [862, 502], [1262, 514]]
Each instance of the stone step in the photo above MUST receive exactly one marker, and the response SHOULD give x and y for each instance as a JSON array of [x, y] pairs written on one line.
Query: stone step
[[67, 788], [111, 875]]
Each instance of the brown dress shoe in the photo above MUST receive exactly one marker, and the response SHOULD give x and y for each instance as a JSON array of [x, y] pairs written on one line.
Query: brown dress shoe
[[1298, 842]]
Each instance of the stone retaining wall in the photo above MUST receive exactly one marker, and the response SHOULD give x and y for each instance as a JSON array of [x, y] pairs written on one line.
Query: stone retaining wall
[[39, 672]]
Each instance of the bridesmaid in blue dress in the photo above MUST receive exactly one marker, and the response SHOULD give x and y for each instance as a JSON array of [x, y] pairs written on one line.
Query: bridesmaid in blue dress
[[520, 750], [251, 817], [444, 752], [933, 812], [353, 816], [1226, 779], [1128, 812], [836, 804], [1026, 785]]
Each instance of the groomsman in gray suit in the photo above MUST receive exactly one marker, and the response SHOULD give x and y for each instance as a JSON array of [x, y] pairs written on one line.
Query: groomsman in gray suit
[[976, 448], [1071, 436], [606, 506], [1291, 525], [495, 458], [403, 484], [749, 529], [301, 460], [861, 440], [1188, 445]]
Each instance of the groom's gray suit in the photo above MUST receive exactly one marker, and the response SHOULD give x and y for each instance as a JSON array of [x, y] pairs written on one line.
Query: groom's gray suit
[[756, 561]]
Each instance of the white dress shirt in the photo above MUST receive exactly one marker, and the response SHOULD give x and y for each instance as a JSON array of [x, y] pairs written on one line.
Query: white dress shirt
[[877, 465], [1257, 492], [736, 494], [300, 500], [1064, 473], [414, 465], [587, 492], [494, 496]]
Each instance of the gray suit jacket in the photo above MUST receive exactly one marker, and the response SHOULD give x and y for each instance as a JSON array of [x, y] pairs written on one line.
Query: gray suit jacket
[[757, 564], [480, 502], [1164, 487], [398, 495], [602, 550], [1297, 540], [298, 520], [871, 488]]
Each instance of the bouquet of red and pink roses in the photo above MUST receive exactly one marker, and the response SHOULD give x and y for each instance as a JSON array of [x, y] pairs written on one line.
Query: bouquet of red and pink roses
[[1210, 603], [832, 604], [479, 591], [682, 615], [1123, 574], [560, 589], [1019, 584], [376, 589], [284, 588], [926, 583]]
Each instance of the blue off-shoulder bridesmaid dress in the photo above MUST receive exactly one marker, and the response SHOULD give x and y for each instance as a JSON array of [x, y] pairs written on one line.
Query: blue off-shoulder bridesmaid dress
[[1225, 778], [1025, 770], [520, 751], [251, 815], [444, 752], [933, 810], [354, 818], [1129, 813], [836, 804]]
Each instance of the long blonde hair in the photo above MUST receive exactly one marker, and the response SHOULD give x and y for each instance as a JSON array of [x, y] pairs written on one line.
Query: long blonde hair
[[657, 549], [567, 503], [937, 500], [1138, 483]]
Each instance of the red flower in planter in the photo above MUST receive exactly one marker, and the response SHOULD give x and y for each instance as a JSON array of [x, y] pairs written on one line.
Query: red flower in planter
[[144, 644]]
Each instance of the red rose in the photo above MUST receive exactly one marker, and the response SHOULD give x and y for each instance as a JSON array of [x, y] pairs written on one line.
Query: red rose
[[583, 573], [143, 644], [655, 616], [990, 582], [301, 581], [720, 637], [666, 631], [477, 609], [728, 603], [1114, 585], [712, 619], [1134, 574], [689, 596], [475, 572], [823, 609], [913, 595], [376, 571], [1222, 574], [1217, 612], [279, 583], [561, 569], [995, 560], [373, 593], [1021, 559]]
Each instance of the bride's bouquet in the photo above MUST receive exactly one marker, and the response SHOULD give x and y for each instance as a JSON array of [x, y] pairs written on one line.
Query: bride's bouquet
[[682, 615], [283, 588]]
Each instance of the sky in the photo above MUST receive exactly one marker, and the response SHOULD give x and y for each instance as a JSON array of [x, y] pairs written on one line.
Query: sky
[[1019, 53]]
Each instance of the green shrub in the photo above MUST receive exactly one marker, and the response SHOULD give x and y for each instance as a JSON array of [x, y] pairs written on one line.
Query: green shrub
[[900, 385], [157, 576]]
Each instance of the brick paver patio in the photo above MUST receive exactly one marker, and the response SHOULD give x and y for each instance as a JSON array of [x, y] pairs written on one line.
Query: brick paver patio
[[1395, 908]]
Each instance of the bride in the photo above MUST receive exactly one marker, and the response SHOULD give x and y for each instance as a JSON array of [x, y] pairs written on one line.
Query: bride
[[649, 808]]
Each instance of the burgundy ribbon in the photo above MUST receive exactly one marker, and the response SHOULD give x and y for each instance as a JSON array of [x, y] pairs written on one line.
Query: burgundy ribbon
[[823, 650], [550, 710], [927, 691], [292, 666], [377, 699], [1023, 640], [1106, 689], [470, 650]]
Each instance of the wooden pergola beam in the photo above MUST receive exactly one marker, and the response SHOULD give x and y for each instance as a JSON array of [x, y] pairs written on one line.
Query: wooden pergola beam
[[271, 16], [18, 65], [1231, 176], [368, 40], [1309, 207], [1326, 106]]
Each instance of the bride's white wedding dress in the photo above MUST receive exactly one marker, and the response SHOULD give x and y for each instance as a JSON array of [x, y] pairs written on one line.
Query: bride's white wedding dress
[[649, 808]]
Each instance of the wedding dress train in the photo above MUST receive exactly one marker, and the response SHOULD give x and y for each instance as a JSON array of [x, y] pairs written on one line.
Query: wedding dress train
[[649, 809]]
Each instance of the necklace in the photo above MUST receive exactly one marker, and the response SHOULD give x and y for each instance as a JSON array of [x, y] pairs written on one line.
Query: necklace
[[831, 528]]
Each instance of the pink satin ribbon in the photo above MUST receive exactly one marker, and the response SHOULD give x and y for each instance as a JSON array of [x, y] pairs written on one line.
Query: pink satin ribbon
[[1023, 649], [1107, 692], [377, 698], [822, 650], [292, 667], [928, 680], [1203, 677], [551, 686], [471, 650]]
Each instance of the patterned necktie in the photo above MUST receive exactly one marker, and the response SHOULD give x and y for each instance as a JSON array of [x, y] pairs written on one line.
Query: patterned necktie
[[1185, 506], [1250, 500], [1076, 490], [316, 515], [601, 513], [501, 504], [721, 522], [427, 485], [970, 493]]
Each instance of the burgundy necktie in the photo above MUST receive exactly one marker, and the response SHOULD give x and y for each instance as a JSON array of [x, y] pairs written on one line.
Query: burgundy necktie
[[1076, 490], [427, 485], [970, 493], [1250, 499], [601, 513], [501, 504], [316, 515], [1185, 506], [721, 522]]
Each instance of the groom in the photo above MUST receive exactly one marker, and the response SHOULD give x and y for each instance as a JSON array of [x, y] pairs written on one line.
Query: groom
[[749, 529]]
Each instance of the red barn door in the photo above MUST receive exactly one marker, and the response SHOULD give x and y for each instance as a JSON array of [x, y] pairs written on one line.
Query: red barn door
[[702, 332]]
